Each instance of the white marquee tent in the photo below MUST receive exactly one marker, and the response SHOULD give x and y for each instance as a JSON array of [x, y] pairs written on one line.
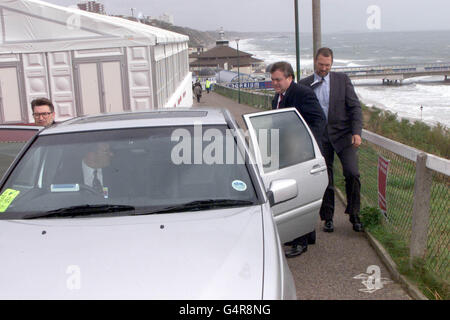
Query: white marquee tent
[[86, 63]]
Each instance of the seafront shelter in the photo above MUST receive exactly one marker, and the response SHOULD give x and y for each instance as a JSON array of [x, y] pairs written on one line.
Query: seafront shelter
[[86, 63], [223, 57]]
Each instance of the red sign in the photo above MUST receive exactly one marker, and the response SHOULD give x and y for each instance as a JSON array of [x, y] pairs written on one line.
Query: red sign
[[383, 166]]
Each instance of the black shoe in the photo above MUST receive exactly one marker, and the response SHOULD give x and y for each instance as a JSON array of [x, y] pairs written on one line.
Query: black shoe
[[296, 250], [358, 227], [311, 237], [357, 224], [328, 227]]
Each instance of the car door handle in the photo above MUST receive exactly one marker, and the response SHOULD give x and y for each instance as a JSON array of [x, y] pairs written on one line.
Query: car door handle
[[317, 169]]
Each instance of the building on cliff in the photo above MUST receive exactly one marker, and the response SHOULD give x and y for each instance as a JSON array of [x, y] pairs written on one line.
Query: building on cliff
[[223, 57]]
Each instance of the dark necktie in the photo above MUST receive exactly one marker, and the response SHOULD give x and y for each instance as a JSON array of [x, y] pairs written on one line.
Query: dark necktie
[[281, 99], [96, 184], [317, 83]]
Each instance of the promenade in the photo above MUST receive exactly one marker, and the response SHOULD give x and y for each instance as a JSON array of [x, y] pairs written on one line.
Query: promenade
[[327, 270]]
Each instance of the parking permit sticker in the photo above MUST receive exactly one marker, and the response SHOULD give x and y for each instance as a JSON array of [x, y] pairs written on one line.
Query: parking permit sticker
[[239, 185], [65, 187], [7, 197], [105, 192]]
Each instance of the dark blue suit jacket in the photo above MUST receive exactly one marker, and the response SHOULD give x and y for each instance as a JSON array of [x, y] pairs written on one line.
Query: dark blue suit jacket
[[344, 113], [305, 101]]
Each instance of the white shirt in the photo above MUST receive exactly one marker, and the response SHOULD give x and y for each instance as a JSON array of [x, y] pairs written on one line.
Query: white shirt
[[88, 174], [279, 99]]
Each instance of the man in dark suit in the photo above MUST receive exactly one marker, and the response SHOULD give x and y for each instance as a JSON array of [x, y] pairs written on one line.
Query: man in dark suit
[[291, 94], [342, 134], [94, 170]]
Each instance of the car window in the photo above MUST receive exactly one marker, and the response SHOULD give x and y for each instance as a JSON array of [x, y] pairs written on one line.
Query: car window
[[11, 142], [143, 168], [285, 134]]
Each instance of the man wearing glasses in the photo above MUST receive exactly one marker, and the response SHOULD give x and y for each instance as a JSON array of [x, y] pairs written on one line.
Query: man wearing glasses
[[43, 112]]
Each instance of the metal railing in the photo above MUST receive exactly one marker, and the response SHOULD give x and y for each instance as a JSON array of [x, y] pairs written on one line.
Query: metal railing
[[252, 98], [417, 197], [394, 69]]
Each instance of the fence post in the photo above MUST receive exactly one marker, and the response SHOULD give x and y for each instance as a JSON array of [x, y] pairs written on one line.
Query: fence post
[[421, 209]]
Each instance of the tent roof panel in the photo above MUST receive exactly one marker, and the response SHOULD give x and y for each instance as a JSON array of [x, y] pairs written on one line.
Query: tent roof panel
[[33, 25]]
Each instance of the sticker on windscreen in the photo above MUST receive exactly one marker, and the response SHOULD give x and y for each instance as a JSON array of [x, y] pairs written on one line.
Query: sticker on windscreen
[[68, 187], [7, 197], [239, 185]]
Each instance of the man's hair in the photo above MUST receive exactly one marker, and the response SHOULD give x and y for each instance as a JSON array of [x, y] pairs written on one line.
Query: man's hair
[[284, 67], [326, 52], [42, 102]]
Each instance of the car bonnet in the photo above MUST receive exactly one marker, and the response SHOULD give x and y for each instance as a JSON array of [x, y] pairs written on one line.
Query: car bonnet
[[214, 254]]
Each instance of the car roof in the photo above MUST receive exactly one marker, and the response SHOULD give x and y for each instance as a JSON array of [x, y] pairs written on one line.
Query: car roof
[[141, 119]]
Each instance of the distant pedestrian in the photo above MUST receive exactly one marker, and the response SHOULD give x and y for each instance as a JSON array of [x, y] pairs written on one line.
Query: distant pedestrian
[[43, 112], [198, 91], [208, 86], [342, 134]]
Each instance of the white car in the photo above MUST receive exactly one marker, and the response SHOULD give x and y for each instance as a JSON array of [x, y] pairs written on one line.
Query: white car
[[167, 204]]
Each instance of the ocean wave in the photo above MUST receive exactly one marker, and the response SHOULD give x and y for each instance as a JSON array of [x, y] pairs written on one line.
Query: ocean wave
[[440, 91], [406, 101], [342, 60], [355, 65]]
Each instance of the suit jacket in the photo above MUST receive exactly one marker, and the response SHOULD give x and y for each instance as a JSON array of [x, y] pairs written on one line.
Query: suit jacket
[[344, 113], [305, 101], [72, 172]]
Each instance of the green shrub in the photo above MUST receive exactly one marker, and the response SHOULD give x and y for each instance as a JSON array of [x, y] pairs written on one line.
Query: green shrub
[[435, 140], [371, 217]]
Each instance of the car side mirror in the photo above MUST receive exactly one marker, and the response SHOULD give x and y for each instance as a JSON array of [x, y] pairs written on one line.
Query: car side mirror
[[282, 190]]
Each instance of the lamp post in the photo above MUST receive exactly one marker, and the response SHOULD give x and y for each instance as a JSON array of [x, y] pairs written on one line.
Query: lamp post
[[317, 28], [297, 40], [239, 74]]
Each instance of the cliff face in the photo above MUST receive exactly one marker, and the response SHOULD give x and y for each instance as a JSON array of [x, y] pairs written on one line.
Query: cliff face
[[196, 37]]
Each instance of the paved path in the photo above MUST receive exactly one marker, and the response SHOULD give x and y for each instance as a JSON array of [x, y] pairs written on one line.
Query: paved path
[[327, 269]]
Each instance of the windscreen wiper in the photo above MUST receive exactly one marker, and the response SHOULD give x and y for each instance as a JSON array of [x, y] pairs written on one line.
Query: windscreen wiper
[[82, 210], [198, 205]]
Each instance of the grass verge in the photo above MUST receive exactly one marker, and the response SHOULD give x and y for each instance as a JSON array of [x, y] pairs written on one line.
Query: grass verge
[[432, 287], [417, 134]]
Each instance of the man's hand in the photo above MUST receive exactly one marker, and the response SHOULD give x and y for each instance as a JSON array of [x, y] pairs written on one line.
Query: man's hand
[[356, 140]]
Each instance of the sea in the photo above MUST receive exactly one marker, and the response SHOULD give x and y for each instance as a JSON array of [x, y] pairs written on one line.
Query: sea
[[424, 98]]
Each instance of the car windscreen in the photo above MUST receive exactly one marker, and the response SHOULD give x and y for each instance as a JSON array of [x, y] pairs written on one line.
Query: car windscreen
[[139, 170]]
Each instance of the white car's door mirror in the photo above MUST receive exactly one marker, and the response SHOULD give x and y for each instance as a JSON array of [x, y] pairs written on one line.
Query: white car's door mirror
[[282, 190]]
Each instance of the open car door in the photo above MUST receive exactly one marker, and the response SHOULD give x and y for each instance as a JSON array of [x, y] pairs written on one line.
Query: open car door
[[285, 148], [12, 140]]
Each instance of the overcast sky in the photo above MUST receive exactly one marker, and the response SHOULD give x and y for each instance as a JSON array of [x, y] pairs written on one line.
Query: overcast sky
[[278, 15]]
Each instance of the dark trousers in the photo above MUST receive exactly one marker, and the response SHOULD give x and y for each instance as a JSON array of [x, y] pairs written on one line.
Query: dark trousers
[[349, 161]]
